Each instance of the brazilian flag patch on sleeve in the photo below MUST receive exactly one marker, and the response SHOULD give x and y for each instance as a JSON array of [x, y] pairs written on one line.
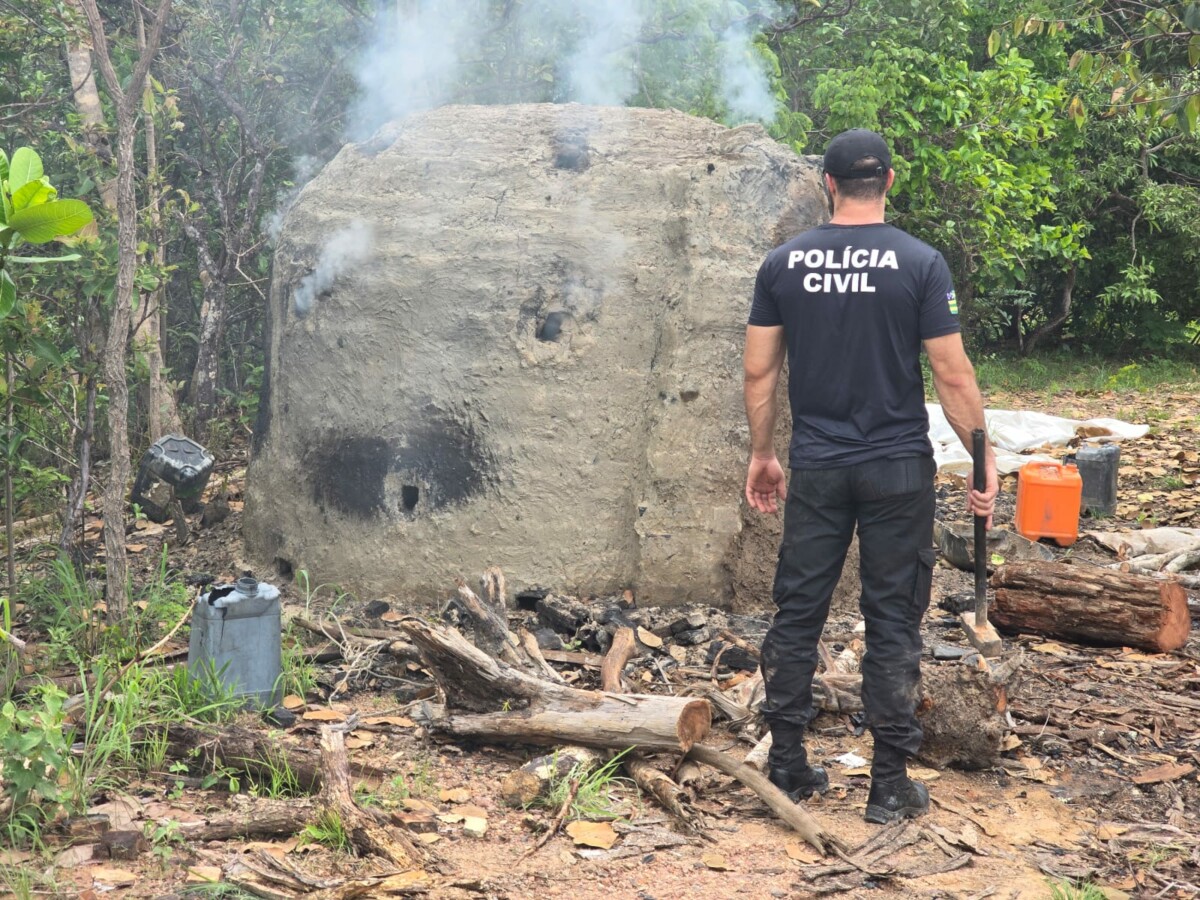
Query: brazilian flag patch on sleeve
[[952, 300]]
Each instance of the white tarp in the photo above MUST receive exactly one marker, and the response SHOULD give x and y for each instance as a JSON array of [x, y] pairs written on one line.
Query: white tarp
[[1013, 431], [1147, 541]]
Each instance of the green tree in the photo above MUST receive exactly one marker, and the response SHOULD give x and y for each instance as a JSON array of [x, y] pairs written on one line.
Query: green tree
[[1145, 55], [30, 213]]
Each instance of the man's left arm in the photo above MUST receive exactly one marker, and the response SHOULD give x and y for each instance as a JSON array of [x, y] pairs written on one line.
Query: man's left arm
[[765, 351]]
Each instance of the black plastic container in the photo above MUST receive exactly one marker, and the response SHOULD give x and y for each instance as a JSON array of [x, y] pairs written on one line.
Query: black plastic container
[[178, 463], [1098, 466]]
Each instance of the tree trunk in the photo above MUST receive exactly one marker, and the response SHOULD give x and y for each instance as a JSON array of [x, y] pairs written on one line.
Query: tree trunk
[[1064, 310], [77, 493], [202, 392], [115, 562], [91, 112], [162, 413], [1090, 605], [117, 343]]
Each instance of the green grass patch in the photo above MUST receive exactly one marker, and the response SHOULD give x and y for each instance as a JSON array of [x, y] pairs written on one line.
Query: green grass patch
[[594, 798], [1075, 890], [1061, 372]]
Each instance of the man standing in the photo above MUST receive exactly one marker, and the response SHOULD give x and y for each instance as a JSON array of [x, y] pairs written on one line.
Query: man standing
[[852, 302]]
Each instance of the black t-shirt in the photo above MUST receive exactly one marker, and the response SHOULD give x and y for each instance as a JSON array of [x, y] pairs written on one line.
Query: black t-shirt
[[855, 302]]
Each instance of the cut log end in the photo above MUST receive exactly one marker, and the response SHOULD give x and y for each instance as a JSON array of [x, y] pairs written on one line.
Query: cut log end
[[1176, 620], [694, 724]]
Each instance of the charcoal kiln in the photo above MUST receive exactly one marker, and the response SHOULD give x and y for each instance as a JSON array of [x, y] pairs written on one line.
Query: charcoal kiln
[[512, 335]]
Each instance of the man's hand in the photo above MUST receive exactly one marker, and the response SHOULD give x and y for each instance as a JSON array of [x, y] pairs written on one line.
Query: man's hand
[[764, 483], [984, 503]]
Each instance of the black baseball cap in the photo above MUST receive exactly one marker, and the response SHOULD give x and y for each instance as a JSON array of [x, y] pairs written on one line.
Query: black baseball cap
[[849, 147]]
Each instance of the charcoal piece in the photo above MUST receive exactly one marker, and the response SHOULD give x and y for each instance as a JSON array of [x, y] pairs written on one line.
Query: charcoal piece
[[124, 845], [548, 639], [957, 603], [693, 621], [528, 600], [604, 639], [564, 614], [613, 618], [695, 637], [733, 657], [947, 652], [376, 608], [413, 690], [279, 717]]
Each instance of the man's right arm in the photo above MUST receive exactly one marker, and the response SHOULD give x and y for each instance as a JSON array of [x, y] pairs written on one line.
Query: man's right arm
[[954, 381], [765, 352]]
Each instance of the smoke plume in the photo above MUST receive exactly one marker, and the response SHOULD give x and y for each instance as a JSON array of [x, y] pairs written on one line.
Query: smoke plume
[[689, 54], [303, 168], [345, 248]]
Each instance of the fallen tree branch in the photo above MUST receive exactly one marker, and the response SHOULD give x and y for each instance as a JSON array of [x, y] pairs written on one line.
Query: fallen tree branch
[[367, 833], [508, 704], [777, 801]]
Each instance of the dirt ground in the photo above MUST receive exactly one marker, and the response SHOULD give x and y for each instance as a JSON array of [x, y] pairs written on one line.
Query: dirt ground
[[1097, 782]]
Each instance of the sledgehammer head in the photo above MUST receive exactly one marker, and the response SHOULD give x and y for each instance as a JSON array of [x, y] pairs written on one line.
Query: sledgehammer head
[[982, 637]]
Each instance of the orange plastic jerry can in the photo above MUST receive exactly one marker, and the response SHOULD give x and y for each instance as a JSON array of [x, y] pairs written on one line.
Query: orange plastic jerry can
[[1048, 496]]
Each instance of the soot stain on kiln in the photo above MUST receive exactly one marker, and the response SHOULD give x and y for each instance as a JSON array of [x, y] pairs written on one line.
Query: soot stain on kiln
[[434, 460], [347, 473]]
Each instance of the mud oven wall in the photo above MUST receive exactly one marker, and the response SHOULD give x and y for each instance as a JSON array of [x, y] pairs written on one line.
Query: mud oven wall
[[531, 356]]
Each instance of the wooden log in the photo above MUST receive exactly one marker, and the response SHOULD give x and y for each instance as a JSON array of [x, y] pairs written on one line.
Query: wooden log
[[591, 719], [512, 705], [757, 757], [662, 788], [490, 627], [254, 753], [1091, 605], [961, 712], [262, 819]]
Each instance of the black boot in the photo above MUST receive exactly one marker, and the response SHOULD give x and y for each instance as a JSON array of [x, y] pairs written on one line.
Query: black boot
[[800, 784], [893, 794], [893, 800], [787, 763]]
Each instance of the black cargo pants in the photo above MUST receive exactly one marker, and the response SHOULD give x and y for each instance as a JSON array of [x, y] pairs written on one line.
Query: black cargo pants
[[892, 503]]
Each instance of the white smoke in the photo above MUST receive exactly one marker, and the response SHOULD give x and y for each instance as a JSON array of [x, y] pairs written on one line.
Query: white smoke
[[345, 248], [600, 70], [414, 60], [745, 87], [593, 51], [305, 167]]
